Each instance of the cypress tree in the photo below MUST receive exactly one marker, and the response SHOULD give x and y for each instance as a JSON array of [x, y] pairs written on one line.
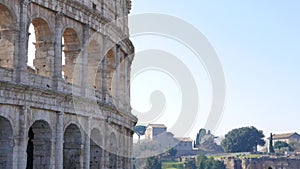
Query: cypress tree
[[271, 148]]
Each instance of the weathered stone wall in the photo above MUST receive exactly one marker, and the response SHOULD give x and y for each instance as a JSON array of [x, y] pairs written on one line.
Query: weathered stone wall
[[82, 119], [263, 163]]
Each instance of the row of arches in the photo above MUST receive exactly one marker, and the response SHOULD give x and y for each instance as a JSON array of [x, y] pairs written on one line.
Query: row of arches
[[41, 52], [40, 146]]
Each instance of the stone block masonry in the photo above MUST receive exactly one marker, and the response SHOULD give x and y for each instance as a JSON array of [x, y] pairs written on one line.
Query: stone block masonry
[[71, 109]]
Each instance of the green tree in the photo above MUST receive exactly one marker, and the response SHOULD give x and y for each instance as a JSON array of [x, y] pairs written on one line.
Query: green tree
[[243, 139], [209, 163], [140, 131], [153, 163], [190, 165], [282, 145], [271, 148], [172, 152], [219, 165], [201, 161]]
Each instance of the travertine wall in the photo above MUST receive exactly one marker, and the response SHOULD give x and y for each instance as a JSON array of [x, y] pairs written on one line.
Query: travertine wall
[[263, 163], [82, 119]]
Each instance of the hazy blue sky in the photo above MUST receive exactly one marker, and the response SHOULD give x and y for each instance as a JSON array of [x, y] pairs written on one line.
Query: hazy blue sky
[[258, 44]]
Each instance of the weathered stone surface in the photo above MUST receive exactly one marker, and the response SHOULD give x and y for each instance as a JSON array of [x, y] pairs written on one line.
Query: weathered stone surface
[[263, 163], [82, 119]]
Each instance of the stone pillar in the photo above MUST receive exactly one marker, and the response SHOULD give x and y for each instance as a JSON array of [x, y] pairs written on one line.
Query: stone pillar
[[106, 145], [87, 144], [104, 71], [57, 74], [125, 100], [128, 84], [21, 69], [130, 146], [84, 60], [22, 139], [59, 141], [117, 85]]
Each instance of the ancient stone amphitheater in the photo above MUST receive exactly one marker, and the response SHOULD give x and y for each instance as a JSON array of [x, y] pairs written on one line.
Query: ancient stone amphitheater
[[70, 109]]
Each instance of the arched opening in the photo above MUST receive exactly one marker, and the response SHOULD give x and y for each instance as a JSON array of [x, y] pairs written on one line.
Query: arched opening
[[7, 37], [39, 145], [31, 49], [40, 48], [6, 143], [110, 70], [113, 151], [270, 168], [95, 149], [94, 69], [72, 147], [70, 53]]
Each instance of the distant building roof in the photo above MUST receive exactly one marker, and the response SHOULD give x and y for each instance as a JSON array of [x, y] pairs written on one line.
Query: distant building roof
[[157, 125], [283, 136], [184, 139]]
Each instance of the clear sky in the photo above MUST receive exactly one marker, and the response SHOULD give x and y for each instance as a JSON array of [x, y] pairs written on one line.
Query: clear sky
[[258, 44]]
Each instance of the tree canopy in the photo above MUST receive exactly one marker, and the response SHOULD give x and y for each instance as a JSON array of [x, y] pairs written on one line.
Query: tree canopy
[[244, 139], [153, 163], [282, 145], [209, 163]]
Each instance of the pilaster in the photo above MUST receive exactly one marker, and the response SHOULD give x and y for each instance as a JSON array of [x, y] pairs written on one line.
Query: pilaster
[[57, 74], [59, 141], [22, 138], [21, 69]]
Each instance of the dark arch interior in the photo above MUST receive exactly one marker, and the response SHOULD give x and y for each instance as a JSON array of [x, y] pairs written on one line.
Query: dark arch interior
[[6, 146], [72, 147], [39, 145]]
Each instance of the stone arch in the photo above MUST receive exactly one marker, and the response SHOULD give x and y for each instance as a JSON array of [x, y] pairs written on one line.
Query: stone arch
[[43, 56], [7, 37], [110, 70], [6, 143], [71, 51], [72, 147], [268, 165], [94, 69], [39, 145], [113, 149], [96, 152]]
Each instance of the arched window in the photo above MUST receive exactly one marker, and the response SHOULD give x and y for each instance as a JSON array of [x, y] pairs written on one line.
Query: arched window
[[40, 48], [6, 38], [70, 53]]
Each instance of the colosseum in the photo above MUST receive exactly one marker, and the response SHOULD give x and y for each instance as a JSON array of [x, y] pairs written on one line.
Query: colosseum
[[65, 84]]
